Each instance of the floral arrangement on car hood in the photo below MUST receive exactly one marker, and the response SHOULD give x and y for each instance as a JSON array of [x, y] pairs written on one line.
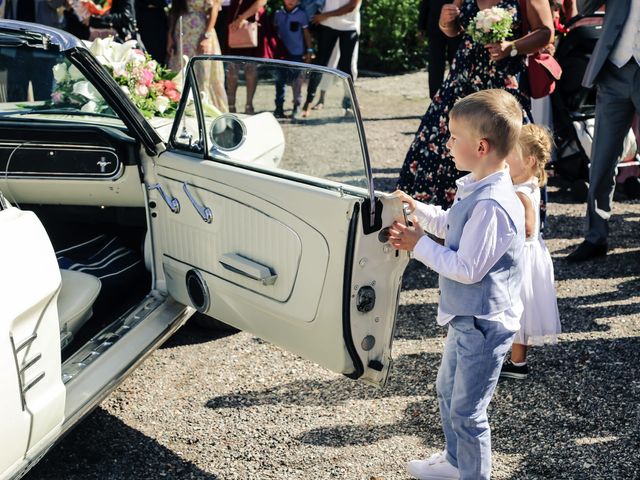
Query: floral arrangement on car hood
[[491, 25], [152, 87]]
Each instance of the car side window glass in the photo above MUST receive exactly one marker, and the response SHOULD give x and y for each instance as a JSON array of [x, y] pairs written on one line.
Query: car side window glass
[[254, 118]]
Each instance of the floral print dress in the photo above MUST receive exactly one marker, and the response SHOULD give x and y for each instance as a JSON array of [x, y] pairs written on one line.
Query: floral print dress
[[428, 173]]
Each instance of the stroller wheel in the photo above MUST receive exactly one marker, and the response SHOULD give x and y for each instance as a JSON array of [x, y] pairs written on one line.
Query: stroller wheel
[[631, 187], [579, 190]]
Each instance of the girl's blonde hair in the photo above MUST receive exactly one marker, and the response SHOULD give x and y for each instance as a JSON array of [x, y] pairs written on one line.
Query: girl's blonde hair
[[536, 140]]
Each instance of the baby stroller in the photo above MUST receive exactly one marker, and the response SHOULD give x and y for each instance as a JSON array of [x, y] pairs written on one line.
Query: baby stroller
[[573, 108]]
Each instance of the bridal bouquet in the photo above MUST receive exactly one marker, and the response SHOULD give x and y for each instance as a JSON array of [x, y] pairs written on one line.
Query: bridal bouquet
[[150, 86], [491, 25], [86, 8]]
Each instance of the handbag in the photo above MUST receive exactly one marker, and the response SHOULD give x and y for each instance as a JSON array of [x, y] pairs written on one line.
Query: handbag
[[244, 37], [543, 69]]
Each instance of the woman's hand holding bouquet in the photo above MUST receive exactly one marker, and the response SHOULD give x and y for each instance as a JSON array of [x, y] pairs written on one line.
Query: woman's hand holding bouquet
[[491, 27]]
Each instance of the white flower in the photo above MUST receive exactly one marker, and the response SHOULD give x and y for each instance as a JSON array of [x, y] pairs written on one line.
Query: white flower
[[161, 103], [152, 65], [87, 90], [75, 74], [141, 90], [89, 107], [126, 90], [119, 69], [136, 57], [60, 72]]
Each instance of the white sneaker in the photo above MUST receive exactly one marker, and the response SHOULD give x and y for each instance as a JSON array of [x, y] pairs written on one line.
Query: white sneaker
[[436, 467]]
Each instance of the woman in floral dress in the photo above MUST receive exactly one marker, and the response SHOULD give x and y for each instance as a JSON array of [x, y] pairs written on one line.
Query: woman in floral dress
[[198, 38], [428, 173]]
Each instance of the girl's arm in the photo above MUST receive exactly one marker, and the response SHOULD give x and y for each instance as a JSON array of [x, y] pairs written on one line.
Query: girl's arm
[[529, 214]]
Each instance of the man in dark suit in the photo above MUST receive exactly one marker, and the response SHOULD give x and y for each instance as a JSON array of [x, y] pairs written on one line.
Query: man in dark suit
[[615, 68], [441, 47]]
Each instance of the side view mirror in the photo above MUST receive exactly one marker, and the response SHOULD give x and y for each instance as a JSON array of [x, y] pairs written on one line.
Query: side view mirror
[[227, 132]]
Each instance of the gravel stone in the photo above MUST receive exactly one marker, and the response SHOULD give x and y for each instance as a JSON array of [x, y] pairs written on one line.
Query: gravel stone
[[229, 406]]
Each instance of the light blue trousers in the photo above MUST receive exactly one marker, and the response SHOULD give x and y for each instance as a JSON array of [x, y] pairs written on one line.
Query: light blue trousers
[[471, 363]]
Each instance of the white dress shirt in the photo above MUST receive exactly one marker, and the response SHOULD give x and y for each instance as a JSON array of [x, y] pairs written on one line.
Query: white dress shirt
[[485, 238], [628, 44]]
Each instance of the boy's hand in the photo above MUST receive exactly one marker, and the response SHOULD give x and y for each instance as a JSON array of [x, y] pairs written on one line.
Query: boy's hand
[[403, 237], [405, 198]]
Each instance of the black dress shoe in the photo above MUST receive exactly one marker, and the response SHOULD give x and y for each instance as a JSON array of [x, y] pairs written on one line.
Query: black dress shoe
[[587, 250]]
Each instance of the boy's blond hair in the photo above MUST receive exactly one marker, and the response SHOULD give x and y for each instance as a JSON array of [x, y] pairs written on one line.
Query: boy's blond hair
[[536, 140], [496, 116]]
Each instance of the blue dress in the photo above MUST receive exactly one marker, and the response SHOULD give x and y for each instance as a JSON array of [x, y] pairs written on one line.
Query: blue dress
[[428, 173]]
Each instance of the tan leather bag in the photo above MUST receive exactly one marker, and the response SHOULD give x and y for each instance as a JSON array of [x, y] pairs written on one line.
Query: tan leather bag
[[244, 37]]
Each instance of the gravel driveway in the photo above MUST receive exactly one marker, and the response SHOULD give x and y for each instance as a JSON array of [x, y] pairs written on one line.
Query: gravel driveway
[[230, 406]]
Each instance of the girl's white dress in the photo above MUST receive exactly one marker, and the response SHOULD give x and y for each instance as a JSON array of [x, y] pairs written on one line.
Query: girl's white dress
[[540, 322]]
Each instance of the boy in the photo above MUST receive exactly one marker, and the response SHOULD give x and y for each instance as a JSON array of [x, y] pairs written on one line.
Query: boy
[[480, 276], [292, 29]]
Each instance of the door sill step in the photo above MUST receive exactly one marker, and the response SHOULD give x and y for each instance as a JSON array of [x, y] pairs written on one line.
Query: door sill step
[[113, 333]]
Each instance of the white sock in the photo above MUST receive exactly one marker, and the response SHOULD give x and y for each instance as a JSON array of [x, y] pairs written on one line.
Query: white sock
[[519, 364]]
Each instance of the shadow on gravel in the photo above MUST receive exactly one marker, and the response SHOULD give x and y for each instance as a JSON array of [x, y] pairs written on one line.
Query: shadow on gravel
[[576, 416], [579, 314], [103, 447], [419, 367], [193, 334]]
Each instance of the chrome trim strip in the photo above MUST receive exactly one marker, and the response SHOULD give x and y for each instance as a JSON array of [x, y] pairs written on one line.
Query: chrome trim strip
[[15, 358], [30, 363], [33, 382], [363, 147], [28, 341]]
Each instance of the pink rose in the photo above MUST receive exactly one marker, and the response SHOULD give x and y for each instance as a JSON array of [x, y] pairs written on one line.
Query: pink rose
[[146, 77], [56, 97]]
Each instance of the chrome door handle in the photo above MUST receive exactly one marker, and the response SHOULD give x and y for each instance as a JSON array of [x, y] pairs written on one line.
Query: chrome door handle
[[205, 212], [171, 202]]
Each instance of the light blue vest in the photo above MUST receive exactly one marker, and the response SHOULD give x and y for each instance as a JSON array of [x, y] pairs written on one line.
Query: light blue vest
[[500, 287]]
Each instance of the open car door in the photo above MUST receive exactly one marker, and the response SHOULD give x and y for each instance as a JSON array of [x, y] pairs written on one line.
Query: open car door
[[267, 224]]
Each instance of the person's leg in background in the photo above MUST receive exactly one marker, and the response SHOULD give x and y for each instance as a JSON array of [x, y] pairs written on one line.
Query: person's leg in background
[[231, 77], [251, 78], [437, 49], [281, 77], [327, 38], [617, 99], [348, 42]]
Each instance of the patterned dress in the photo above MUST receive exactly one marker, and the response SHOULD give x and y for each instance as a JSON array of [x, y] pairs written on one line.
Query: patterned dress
[[428, 173], [194, 23]]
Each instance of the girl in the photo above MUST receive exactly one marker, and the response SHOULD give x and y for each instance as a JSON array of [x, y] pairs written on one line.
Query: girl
[[540, 322]]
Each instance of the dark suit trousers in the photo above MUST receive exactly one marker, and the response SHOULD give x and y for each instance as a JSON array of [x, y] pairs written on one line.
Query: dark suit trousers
[[618, 98]]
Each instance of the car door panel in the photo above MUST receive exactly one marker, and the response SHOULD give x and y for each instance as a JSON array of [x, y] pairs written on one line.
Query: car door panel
[[266, 234], [323, 301]]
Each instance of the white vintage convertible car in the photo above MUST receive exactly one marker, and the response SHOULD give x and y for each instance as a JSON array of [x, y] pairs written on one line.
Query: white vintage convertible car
[[114, 229]]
